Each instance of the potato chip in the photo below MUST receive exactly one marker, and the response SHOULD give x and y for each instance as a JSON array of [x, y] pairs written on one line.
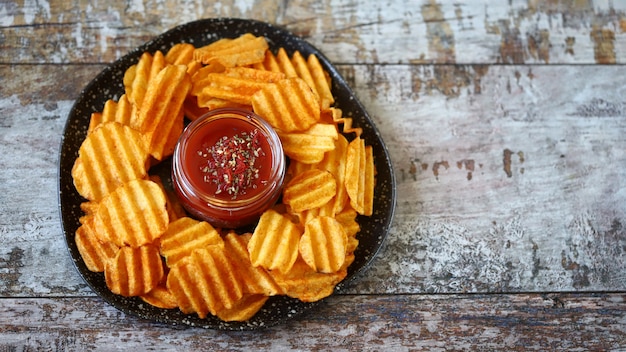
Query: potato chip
[[94, 252], [205, 282], [160, 110], [134, 271], [244, 309], [335, 162], [180, 54], [310, 189], [369, 182], [175, 209], [288, 105], [160, 297], [306, 284], [256, 280], [133, 215], [323, 244], [274, 243], [321, 82], [138, 76], [355, 174], [109, 156], [185, 235], [310, 146], [302, 69], [233, 86], [242, 51]]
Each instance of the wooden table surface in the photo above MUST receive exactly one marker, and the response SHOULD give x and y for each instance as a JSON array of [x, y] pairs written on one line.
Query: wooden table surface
[[506, 126]]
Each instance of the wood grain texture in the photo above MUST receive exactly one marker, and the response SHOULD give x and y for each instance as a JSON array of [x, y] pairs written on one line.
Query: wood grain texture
[[505, 122], [360, 323], [476, 31]]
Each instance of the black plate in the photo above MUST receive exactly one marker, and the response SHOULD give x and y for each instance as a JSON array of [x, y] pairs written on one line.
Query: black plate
[[108, 85]]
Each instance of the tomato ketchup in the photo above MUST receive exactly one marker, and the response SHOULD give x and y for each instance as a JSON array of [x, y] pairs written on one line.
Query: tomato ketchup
[[228, 167]]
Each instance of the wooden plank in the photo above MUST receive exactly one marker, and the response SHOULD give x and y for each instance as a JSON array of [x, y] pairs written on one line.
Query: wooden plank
[[397, 31], [529, 322], [508, 179]]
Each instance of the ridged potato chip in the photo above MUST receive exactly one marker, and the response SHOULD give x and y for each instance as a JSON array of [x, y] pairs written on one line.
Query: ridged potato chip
[[306, 284], [310, 189], [160, 111], [94, 252], [242, 51], [108, 157], [310, 146], [274, 243], [184, 236], [205, 282], [244, 309], [256, 280], [134, 271], [288, 105], [133, 215], [323, 244], [160, 297]]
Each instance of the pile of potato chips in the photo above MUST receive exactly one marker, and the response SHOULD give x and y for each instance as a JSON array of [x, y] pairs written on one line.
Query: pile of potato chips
[[137, 233]]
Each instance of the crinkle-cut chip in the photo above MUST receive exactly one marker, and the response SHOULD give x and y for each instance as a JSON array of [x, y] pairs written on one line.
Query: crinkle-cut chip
[[355, 174], [175, 209], [285, 64], [94, 252], [274, 243], [310, 146], [108, 157], [180, 54], [321, 81], [302, 69], [186, 235], [242, 51], [205, 282], [326, 209], [244, 309], [336, 115], [114, 111], [254, 74], [160, 111], [306, 284], [369, 182], [138, 76], [160, 297], [288, 105], [335, 162], [134, 271], [256, 280], [323, 244], [347, 219], [133, 215], [233, 89], [310, 189]]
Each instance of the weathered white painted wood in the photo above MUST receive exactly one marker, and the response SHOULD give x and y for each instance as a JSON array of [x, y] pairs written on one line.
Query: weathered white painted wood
[[397, 31], [364, 323]]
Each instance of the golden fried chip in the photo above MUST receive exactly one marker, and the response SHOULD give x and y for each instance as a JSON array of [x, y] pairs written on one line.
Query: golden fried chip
[[355, 174], [310, 189], [175, 209], [134, 271], [369, 182], [160, 297], [288, 105], [133, 215], [94, 252], [222, 86], [205, 282], [180, 54], [323, 244], [274, 243], [109, 156], [244, 309], [256, 280], [138, 76], [185, 235], [302, 69], [306, 284], [310, 146], [242, 51], [160, 110], [347, 219], [335, 162], [321, 82]]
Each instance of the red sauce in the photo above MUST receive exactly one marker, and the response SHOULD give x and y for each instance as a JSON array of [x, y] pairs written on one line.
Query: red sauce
[[228, 167]]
